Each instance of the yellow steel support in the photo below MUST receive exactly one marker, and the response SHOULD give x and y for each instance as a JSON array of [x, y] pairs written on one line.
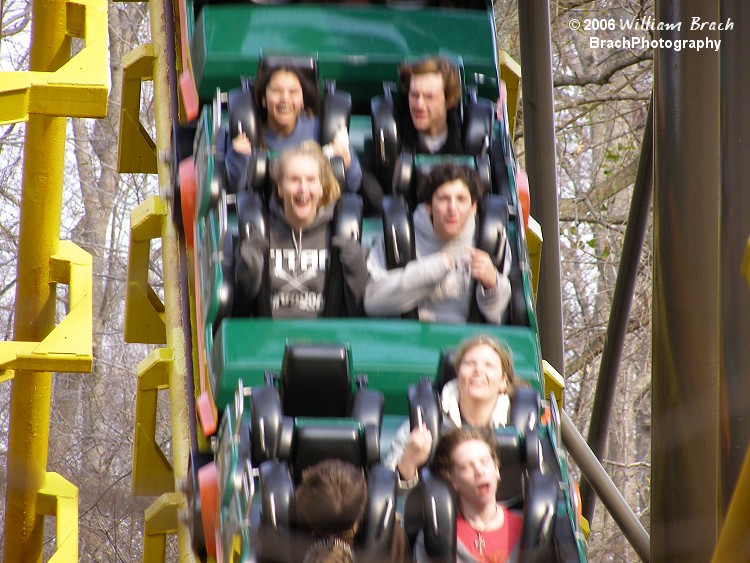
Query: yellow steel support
[[59, 498], [177, 312], [136, 149], [54, 86], [534, 240], [144, 311], [510, 73], [77, 87], [553, 383], [68, 347], [152, 472], [161, 519]]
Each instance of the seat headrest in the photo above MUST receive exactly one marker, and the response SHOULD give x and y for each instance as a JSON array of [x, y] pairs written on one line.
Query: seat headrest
[[539, 515], [477, 125], [316, 440], [243, 114], [348, 216], [316, 380], [375, 535], [308, 66], [525, 406], [385, 135], [398, 232], [439, 513], [404, 177], [334, 114], [446, 368], [277, 495], [512, 462]]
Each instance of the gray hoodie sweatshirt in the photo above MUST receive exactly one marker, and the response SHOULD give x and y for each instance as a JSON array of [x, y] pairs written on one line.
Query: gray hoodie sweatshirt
[[441, 294], [298, 262]]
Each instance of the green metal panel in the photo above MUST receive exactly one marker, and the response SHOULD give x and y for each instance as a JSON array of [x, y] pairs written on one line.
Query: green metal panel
[[392, 352], [359, 47], [204, 160]]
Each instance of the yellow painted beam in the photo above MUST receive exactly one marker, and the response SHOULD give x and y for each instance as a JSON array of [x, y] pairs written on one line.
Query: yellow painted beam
[[733, 539], [553, 383], [59, 498], [144, 311], [534, 240], [54, 88], [136, 149], [68, 347], [160, 520], [510, 72], [152, 472], [176, 314], [78, 88]]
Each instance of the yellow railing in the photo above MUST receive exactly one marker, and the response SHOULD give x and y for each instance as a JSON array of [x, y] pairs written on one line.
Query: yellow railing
[[79, 88]]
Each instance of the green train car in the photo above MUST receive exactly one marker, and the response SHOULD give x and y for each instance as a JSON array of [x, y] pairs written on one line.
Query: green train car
[[352, 52]]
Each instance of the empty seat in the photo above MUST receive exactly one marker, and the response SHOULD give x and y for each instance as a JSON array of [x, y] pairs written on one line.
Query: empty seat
[[316, 439], [315, 382]]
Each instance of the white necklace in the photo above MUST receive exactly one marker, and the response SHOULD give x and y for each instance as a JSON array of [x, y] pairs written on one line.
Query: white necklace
[[480, 543]]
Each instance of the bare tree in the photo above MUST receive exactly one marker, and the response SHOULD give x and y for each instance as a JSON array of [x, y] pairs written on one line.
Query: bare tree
[[601, 101]]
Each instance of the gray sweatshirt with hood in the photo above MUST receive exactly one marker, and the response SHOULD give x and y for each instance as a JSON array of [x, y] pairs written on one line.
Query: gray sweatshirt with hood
[[441, 294], [298, 261]]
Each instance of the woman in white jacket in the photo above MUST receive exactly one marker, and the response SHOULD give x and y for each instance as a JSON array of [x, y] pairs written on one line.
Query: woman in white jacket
[[478, 396]]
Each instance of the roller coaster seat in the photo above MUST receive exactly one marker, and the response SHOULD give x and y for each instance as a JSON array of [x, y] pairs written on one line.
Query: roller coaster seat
[[316, 382], [517, 443], [279, 527], [219, 296], [437, 519], [511, 447]]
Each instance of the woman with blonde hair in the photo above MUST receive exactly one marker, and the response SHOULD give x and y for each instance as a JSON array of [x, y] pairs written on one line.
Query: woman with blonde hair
[[300, 219]]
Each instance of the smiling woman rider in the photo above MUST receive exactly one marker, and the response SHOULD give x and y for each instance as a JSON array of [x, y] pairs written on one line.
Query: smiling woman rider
[[288, 102], [298, 253], [478, 396]]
